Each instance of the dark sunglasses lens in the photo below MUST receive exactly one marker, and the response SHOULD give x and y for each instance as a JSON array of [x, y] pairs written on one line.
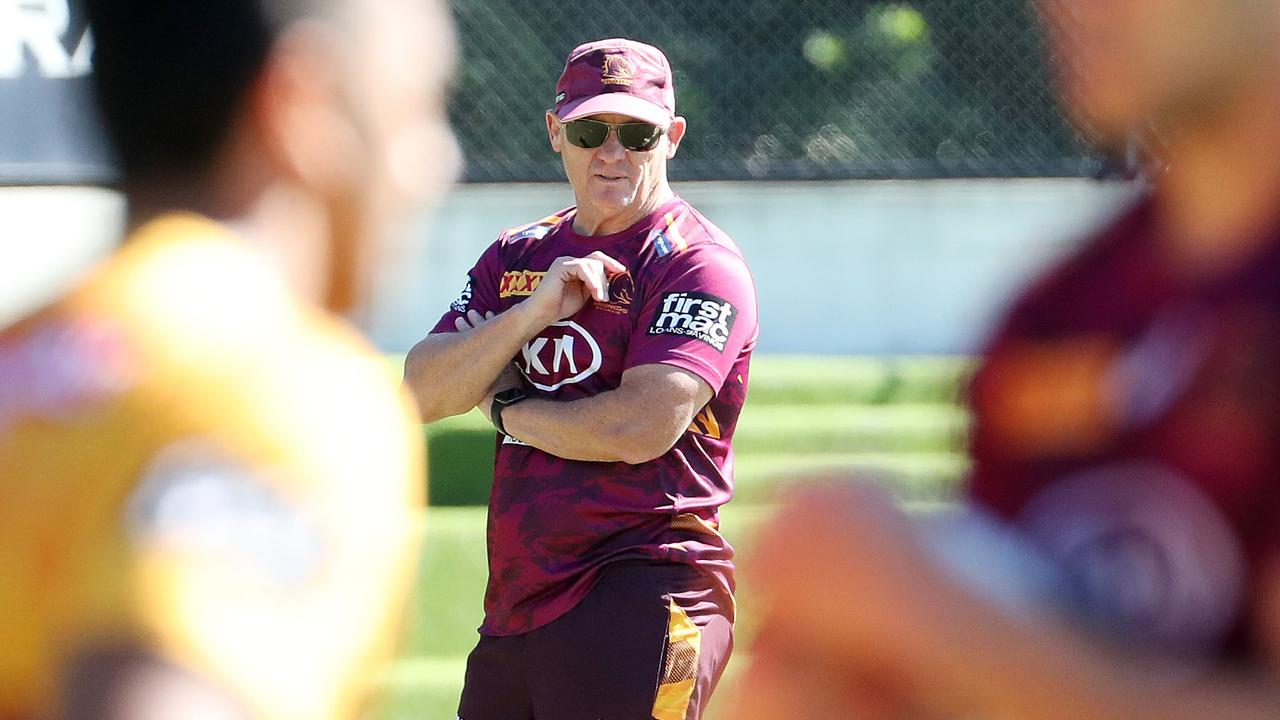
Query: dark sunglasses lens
[[639, 136], [586, 133]]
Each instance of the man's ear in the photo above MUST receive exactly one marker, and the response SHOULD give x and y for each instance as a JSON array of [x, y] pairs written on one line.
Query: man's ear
[[299, 113], [555, 131], [675, 134]]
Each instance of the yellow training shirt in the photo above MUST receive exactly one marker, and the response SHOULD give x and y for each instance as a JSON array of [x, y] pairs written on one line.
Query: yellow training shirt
[[195, 462]]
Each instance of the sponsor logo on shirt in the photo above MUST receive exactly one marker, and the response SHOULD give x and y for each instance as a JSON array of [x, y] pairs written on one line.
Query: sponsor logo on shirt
[[537, 231], [662, 245], [696, 315], [198, 500], [562, 354], [64, 369], [464, 298], [519, 283], [1150, 556]]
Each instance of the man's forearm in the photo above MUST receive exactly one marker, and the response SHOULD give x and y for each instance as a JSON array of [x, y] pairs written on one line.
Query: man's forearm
[[1054, 674], [1039, 669], [614, 426], [448, 373], [926, 638]]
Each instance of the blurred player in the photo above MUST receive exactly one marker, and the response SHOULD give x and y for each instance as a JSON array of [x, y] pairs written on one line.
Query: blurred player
[[1127, 438], [207, 482], [631, 320]]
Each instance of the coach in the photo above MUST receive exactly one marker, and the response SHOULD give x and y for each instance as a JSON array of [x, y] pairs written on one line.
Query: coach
[[609, 344]]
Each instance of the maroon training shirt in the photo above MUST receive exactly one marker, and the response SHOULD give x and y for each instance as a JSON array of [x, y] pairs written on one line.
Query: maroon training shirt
[[687, 300], [1128, 420]]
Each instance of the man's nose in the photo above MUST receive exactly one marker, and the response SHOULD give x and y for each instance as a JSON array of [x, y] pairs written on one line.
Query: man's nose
[[612, 149]]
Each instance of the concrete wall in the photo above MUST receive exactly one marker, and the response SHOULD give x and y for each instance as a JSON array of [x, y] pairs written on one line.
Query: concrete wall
[[48, 237], [851, 267]]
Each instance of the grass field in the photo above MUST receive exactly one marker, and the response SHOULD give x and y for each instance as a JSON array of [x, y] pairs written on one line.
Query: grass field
[[425, 683], [896, 418]]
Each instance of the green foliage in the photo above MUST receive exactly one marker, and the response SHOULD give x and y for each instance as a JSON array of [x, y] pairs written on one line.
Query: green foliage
[[780, 88], [460, 460]]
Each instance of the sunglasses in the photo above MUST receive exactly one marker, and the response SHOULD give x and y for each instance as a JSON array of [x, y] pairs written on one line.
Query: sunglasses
[[589, 134]]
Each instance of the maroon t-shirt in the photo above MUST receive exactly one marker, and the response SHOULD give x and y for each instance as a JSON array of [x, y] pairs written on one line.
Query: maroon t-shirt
[[686, 300], [1128, 421]]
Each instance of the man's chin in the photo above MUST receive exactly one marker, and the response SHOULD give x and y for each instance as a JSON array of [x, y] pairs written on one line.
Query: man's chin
[[610, 202]]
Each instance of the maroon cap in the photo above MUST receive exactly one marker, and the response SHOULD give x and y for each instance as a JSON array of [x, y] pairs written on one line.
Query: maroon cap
[[617, 76]]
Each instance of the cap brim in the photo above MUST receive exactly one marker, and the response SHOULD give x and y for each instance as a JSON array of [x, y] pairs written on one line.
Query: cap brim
[[619, 103]]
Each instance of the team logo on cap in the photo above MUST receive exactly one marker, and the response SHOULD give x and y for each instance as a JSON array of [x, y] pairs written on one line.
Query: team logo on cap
[[618, 70]]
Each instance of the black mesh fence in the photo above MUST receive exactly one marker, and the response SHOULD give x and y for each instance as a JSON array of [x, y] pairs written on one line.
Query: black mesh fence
[[784, 89]]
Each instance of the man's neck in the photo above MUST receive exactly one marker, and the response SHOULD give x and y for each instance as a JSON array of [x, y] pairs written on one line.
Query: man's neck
[[274, 220], [1221, 192], [153, 198], [591, 222]]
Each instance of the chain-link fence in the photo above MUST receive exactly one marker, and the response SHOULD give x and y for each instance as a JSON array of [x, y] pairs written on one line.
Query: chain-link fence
[[784, 89]]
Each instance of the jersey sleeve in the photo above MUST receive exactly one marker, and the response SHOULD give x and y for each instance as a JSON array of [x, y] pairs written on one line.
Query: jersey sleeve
[[698, 316], [480, 293]]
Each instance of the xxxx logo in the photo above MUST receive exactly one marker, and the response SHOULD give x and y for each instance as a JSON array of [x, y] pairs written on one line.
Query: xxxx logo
[[519, 283]]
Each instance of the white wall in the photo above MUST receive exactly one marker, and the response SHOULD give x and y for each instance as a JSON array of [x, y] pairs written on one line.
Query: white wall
[[849, 267], [48, 237]]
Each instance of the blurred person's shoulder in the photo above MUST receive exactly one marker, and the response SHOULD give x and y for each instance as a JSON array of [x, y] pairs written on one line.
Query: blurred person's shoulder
[[1118, 253], [176, 394], [204, 336]]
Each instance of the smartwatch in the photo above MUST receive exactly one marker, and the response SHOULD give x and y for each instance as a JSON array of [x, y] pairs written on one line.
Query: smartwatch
[[502, 400]]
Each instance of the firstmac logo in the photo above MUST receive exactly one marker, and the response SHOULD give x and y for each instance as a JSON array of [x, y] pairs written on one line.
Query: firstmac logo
[[697, 315]]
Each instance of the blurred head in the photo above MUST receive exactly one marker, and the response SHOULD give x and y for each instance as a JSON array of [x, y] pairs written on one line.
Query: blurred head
[[617, 82], [1124, 64], [340, 103]]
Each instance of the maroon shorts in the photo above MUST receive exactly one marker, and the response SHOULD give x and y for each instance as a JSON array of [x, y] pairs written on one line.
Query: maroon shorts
[[650, 640]]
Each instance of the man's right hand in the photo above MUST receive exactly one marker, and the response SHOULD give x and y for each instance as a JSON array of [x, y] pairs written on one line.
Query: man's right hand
[[569, 284], [449, 373]]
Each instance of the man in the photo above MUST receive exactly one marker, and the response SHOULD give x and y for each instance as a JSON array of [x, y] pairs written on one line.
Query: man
[[208, 485], [1127, 438], [609, 343]]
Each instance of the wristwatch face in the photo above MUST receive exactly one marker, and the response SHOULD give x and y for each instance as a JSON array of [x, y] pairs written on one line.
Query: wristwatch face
[[509, 396]]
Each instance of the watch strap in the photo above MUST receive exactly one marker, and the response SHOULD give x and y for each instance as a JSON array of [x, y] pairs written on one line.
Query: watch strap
[[501, 401]]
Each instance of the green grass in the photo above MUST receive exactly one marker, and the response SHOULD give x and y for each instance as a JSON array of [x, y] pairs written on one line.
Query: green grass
[[841, 380], [823, 429], [913, 476], [894, 419], [424, 684], [834, 380], [916, 447]]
